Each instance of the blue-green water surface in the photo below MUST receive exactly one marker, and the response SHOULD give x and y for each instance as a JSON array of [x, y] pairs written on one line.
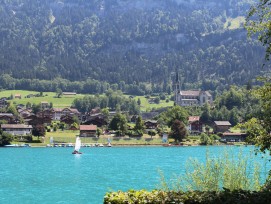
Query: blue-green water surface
[[54, 175]]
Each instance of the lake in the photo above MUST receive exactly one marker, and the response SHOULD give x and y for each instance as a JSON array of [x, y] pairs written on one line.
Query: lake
[[54, 175]]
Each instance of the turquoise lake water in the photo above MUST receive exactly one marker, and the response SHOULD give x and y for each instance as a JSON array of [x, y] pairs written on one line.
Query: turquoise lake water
[[54, 175]]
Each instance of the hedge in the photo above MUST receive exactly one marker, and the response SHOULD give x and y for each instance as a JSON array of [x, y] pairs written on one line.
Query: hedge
[[193, 197]]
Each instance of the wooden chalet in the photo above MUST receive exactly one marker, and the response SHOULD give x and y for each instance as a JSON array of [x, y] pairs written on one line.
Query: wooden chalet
[[96, 119], [88, 130], [221, 126], [69, 94], [8, 117], [35, 120], [67, 119], [58, 112], [233, 137], [151, 124], [194, 124], [44, 105], [24, 113], [45, 113], [18, 96]]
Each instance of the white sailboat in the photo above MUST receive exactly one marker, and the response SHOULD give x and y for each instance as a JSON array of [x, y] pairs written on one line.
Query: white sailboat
[[77, 146]]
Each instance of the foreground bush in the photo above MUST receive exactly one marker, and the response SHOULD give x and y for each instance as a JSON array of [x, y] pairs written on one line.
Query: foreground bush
[[209, 197]]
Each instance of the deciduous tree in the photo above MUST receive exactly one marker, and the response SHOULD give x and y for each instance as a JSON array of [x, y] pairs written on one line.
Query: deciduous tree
[[178, 131]]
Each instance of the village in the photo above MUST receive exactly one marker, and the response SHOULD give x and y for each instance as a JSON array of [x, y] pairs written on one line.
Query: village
[[28, 122]]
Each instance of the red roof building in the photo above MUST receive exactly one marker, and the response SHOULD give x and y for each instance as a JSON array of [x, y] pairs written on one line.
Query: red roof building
[[88, 130], [195, 126]]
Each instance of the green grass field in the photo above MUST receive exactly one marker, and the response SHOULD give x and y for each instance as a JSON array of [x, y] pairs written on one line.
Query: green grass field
[[146, 106], [64, 101]]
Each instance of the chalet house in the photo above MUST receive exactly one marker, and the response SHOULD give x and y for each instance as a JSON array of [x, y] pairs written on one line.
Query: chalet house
[[193, 98], [8, 117], [221, 126], [99, 121], [18, 96], [67, 119], [194, 124], [69, 93], [24, 113], [88, 130], [58, 112], [151, 124], [44, 105], [35, 120], [233, 137], [17, 129], [45, 113]]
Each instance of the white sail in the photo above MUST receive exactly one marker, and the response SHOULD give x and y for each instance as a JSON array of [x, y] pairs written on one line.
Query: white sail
[[77, 144]]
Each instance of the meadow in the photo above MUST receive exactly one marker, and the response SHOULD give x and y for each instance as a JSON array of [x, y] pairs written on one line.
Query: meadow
[[66, 101]]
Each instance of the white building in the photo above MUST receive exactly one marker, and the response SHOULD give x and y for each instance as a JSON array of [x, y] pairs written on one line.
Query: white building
[[193, 98], [17, 129]]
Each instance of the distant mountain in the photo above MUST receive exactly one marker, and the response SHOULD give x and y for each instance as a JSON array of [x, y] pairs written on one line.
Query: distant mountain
[[129, 41]]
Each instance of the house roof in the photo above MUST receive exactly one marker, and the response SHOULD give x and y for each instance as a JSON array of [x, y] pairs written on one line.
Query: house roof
[[222, 123], [151, 121], [69, 93], [6, 114], [16, 126], [193, 118], [234, 134], [57, 109], [88, 127], [74, 110], [194, 93], [189, 93]]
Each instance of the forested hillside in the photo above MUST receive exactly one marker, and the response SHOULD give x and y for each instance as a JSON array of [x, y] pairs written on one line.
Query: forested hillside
[[132, 45]]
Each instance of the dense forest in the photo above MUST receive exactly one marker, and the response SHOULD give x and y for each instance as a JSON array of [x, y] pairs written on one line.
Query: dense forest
[[131, 45]]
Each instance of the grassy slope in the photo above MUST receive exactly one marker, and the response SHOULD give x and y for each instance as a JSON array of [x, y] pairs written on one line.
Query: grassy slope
[[67, 101], [48, 96], [145, 106]]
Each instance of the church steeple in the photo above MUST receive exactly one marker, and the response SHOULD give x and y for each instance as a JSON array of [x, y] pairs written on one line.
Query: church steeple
[[177, 86]]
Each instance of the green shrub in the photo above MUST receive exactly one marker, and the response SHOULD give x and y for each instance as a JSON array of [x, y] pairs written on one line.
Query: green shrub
[[196, 197]]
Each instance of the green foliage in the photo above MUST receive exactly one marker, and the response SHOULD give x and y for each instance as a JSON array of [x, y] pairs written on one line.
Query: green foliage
[[258, 22], [39, 130], [99, 132], [119, 123], [205, 139], [112, 100], [5, 138], [12, 109], [223, 179], [139, 126], [223, 171], [178, 131], [45, 47], [197, 197], [254, 130], [174, 113], [264, 93], [151, 133]]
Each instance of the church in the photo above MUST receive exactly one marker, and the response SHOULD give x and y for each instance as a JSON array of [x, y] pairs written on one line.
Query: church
[[191, 97]]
